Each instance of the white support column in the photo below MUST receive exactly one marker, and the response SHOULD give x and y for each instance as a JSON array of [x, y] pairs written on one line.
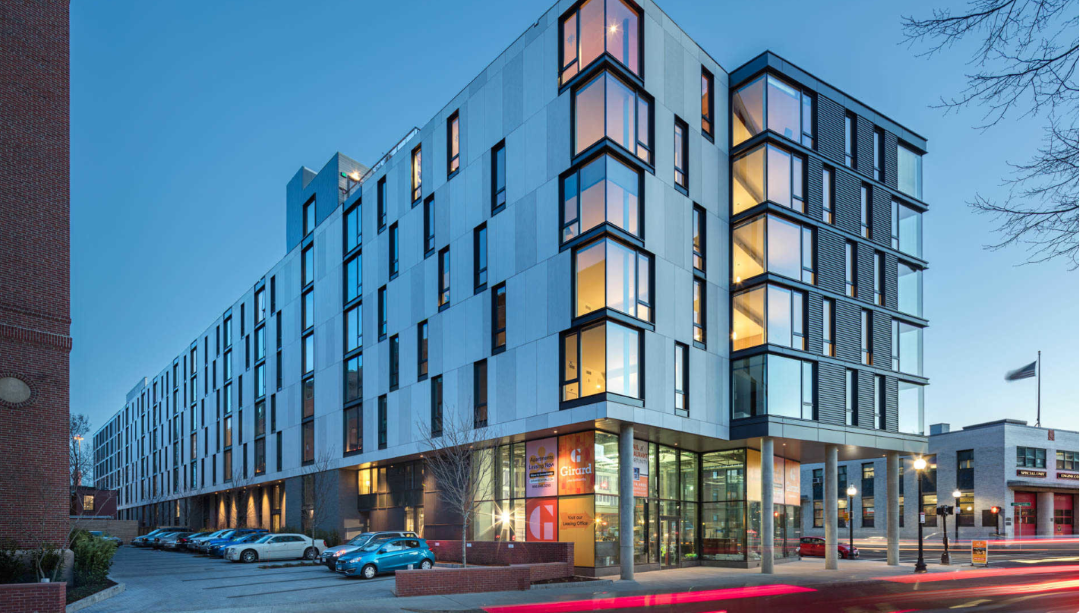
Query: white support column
[[767, 518], [831, 511], [892, 507], [1044, 514], [626, 502]]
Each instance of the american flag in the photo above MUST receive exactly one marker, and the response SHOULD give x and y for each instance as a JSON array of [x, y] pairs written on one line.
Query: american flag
[[1024, 372]]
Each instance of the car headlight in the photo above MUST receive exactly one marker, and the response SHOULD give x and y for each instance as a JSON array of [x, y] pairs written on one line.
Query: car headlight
[[338, 554]]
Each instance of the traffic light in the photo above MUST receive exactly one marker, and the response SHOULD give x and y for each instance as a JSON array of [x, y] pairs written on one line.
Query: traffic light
[[995, 510]]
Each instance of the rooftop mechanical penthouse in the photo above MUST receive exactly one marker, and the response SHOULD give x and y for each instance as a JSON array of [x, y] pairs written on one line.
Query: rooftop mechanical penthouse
[[610, 250]]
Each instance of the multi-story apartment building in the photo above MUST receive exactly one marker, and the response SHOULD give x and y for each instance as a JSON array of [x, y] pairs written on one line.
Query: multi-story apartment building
[[1029, 473], [608, 250]]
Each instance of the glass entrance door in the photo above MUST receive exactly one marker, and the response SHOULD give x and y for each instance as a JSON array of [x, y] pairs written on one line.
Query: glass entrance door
[[669, 541]]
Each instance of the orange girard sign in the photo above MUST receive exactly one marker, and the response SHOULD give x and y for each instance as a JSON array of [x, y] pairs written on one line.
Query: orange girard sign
[[979, 552], [576, 463], [542, 519]]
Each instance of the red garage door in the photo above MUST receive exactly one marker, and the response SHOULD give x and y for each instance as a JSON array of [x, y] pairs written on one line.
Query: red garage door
[[1064, 521], [1024, 516]]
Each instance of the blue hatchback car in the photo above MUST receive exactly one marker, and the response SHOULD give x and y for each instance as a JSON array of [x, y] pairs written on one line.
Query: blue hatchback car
[[217, 547], [385, 556]]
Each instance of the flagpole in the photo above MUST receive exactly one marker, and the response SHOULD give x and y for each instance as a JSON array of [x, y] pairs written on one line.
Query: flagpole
[[1038, 391]]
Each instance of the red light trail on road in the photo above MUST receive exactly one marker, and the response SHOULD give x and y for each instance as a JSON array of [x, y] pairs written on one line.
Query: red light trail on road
[[651, 600], [981, 573]]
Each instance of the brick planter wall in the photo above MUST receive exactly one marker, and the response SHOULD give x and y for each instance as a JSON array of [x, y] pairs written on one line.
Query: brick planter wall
[[33, 597], [501, 567], [439, 581]]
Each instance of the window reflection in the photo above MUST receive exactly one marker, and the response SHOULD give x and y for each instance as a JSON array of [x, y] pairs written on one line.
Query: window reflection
[[770, 103], [609, 274], [601, 358], [768, 173], [909, 289], [604, 190], [770, 243], [773, 385], [910, 407], [908, 171], [769, 314], [598, 26], [607, 107], [906, 229], [907, 348]]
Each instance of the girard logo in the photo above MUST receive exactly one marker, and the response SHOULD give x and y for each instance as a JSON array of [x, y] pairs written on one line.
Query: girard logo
[[575, 455]]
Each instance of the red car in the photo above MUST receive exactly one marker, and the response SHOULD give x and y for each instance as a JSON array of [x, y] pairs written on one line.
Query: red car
[[812, 546]]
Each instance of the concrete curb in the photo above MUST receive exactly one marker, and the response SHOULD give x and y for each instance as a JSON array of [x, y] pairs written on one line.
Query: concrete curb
[[549, 586], [93, 599]]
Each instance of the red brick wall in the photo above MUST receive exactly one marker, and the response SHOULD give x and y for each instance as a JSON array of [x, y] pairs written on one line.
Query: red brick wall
[[34, 268], [33, 597], [461, 580], [501, 553]]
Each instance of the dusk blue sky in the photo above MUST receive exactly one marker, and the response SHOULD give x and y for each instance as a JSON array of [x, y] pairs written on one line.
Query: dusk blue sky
[[188, 118]]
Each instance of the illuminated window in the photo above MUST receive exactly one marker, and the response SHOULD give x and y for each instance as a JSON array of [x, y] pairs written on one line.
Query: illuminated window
[[769, 103], [699, 311], [699, 238], [606, 107], [417, 186], [605, 190], [596, 27], [612, 275], [706, 102], [601, 358], [768, 173], [453, 144], [772, 244], [769, 314], [682, 155], [498, 318]]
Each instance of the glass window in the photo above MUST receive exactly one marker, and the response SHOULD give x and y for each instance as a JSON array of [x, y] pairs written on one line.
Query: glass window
[[706, 102], [436, 406], [773, 244], [429, 225], [498, 317], [354, 328], [595, 27], [309, 216], [480, 259], [417, 186], [382, 312], [879, 155], [909, 289], [908, 171], [768, 173], [907, 348], [774, 385], [604, 190], [769, 314], [906, 229], [1030, 457], [444, 277], [879, 278], [601, 358], [850, 268], [480, 394], [879, 401], [699, 238], [606, 460], [910, 407], [682, 154], [865, 211], [699, 311], [308, 308], [354, 378], [849, 140], [308, 399], [307, 258], [607, 107], [354, 284], [354, 436], [828, 326], [1067, 460], [395, 362], [851, 397], [453, 144], [393, 251], [422, 349], [828, 195], [498, 176], [768, 102], [610, 274], [682, 380], [309, 441], [867, 337], [380, 193], [309, 353], [382, 422]]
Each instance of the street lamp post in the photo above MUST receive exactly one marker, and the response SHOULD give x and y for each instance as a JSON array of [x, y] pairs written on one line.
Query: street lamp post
[[851, 524], [956, 497], [920, 465]]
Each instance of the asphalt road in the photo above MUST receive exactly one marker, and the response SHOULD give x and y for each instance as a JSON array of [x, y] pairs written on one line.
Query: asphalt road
[[1007, 554]]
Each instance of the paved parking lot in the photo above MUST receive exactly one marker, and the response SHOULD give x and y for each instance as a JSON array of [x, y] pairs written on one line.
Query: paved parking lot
[[180, 581]]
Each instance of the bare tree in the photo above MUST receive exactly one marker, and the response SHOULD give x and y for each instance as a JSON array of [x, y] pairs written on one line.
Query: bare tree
[[80, 452], [241, 488], [318, 490], [1025, 63], [459, 457]]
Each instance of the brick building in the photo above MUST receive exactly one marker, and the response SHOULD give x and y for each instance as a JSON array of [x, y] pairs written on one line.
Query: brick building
[[34, 271]]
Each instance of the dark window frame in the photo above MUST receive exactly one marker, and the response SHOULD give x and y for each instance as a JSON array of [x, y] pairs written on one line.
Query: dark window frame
[[605, 225], [480, 258], [381, 202], [682, 383], [453, 161], [648, 146], [423, 345], [682, 150], [416, 173], [394, 356], [496, 292], [445, 265], [308, 214], [564, 64], [699, 225], [393, 256], [498, 192], [480, 394], [708, 106], [436, 418], [382, 313], [429, 225]]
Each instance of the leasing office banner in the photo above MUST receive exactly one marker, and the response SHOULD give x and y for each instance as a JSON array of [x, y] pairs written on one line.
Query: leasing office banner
[[541, 457], [641, 468], [576, 454], [542, 519], [576, 526]]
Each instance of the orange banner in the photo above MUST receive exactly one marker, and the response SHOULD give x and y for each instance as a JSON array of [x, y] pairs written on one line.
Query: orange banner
[[576, 463], [576, 526]]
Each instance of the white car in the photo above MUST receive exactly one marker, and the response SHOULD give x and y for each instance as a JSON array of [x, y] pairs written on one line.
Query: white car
[[276, 547]]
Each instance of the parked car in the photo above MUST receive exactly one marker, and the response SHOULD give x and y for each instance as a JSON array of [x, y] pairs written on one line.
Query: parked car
[[106, 536], [812, 546], [173, 540], [224, 541], [330, 556], [276, 547], [381, 556], [218, 550], [146, 539], [194, 541], [159, 539]]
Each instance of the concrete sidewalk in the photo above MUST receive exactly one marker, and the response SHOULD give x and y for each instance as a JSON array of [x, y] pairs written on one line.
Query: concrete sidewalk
[[806, 573]]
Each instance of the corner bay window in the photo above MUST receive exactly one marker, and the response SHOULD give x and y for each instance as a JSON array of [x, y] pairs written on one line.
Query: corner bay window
[[906, 229], [909, 289], [768, 173], [606, 107], [596, 27], [772, 385], [769, 103], [605, 190], [610, 274], [601, 358], [910, 407], [908, 171], [906, 348], [772, 244], [769, 314]]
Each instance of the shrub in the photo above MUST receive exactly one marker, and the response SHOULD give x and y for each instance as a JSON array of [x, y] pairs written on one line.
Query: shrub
[[12, 567], [47, 561], [93, 559]]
